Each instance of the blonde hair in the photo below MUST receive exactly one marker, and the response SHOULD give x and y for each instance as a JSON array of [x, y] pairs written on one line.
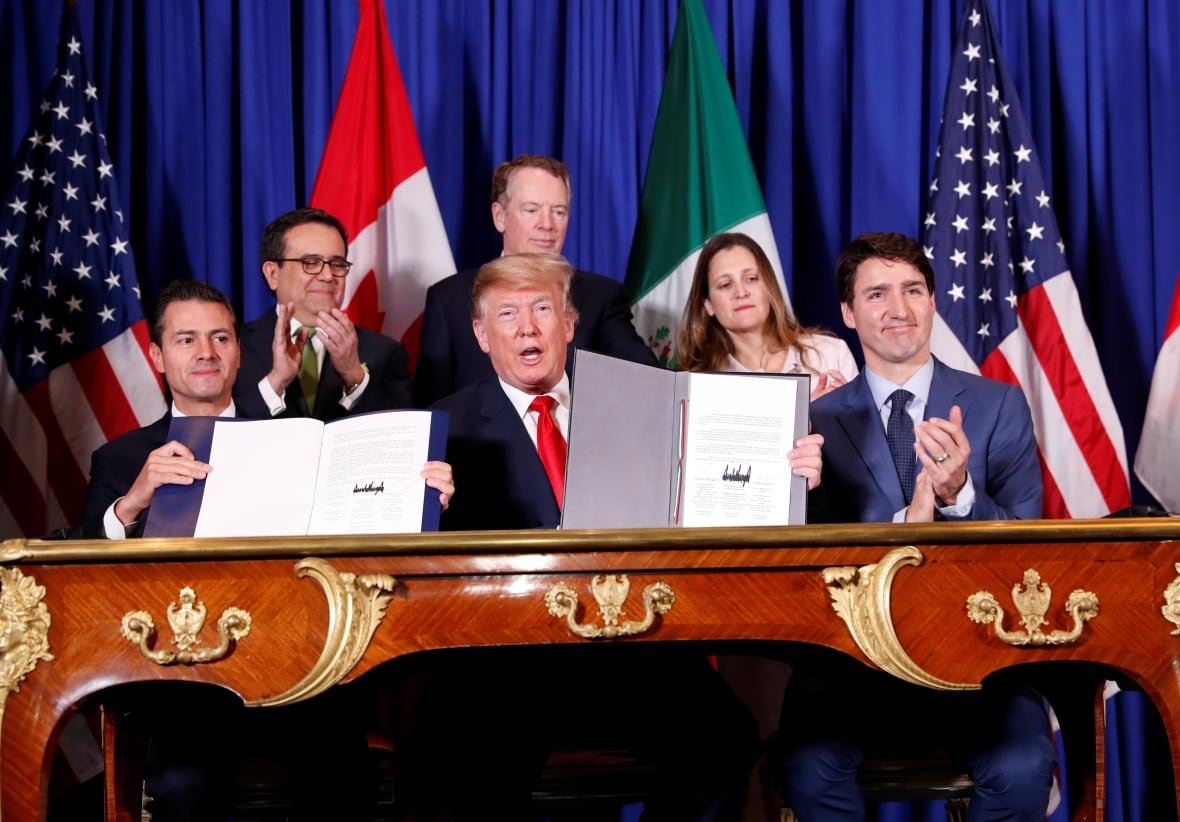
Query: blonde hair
[[515, 272]]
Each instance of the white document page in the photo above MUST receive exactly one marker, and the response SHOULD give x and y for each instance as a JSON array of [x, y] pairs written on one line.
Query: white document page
[[370, 474], [263, 478], [739, 430]]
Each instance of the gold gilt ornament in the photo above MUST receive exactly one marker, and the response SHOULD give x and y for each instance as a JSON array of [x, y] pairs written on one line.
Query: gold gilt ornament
[[24, 630], [610, 592], [186, 620], [1031, 597], [862, 598], [356, 606], [1171, 607]]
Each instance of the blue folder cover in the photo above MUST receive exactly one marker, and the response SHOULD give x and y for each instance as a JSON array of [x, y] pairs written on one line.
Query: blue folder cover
[[175, 508]]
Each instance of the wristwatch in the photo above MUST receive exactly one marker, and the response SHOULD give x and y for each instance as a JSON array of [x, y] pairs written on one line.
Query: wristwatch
[[348, 389]]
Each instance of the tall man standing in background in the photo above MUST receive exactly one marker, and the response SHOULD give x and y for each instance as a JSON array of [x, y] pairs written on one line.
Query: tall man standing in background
[[530, 207], [307, 359]]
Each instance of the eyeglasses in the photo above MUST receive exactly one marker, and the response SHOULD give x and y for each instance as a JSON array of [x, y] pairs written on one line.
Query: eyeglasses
[[314, 265]]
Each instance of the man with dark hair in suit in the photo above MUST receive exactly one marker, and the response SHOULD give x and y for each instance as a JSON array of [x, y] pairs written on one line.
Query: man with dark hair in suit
[[308, 359], [195, 346], [976, 449], [913, 439], [530, 207]]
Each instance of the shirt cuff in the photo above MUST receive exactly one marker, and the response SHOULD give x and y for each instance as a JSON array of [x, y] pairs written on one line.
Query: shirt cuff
[[964, 502], [273, 402], [347, 401], [112, 526]]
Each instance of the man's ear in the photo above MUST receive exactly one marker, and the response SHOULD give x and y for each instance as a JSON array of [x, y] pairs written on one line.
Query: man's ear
[[481, 336], [498, 216], [157, 357], [846, 312], [270, 272]]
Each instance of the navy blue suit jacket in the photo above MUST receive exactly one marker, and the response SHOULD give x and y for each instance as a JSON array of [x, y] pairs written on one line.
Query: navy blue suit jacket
[[114, 467], [450, 357], [860, 482], [499, 480], [388, 388]]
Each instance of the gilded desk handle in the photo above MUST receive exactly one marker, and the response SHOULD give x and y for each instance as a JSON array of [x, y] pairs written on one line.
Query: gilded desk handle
[[186, 619], [611, 593], [1031, 597]]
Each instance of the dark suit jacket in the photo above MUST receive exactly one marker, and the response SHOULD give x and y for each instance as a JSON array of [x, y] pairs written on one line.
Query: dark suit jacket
[[450, 357], [499, 480], [113, 469], [389, 378], [860, 481]]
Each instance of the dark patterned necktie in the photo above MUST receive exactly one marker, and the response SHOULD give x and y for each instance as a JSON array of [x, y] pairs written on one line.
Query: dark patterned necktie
[[550, 445], [900, 433]]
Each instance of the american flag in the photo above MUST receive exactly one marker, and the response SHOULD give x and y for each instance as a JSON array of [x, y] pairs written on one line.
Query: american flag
[[1007, 302], [75, 371]]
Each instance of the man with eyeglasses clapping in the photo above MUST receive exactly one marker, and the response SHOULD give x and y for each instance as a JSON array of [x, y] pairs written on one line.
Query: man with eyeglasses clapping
[[307, 359]]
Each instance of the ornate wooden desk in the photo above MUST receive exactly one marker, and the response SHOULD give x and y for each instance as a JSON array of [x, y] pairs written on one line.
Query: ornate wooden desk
[[278, 621]]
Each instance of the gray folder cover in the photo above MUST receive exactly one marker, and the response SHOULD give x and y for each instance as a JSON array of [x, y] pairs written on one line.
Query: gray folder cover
[[624, 443], [619, 463]]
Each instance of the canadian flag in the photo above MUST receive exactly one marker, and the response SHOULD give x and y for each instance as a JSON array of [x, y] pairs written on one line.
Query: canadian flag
[[373, 178], [1159, 447]]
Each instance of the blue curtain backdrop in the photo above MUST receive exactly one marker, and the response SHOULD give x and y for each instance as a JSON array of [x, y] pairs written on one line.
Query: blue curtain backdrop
[[217, 112]]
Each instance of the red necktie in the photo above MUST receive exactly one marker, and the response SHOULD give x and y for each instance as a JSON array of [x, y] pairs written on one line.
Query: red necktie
[[550, 445]]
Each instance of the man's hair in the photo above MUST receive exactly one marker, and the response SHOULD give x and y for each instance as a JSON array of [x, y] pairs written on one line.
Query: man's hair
[[702, 344], [179, 291], [515, 272], [883, 245], [274, 238], [505, 171]]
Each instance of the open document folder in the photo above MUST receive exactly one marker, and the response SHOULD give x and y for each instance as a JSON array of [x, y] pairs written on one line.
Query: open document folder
[[654, 448], [290, 477]]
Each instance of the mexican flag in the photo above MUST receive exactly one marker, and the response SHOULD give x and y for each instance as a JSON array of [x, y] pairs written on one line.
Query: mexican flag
[[373, 177], [700, 182]]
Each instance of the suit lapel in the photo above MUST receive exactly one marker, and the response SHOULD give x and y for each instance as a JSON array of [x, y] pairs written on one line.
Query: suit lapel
[[584, 328], [862, 425], [159, 430], [522, 463], [946, 389]]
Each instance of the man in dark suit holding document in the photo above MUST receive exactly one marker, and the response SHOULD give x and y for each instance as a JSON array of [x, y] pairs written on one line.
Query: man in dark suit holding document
[[195, 346], [488, 723]]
